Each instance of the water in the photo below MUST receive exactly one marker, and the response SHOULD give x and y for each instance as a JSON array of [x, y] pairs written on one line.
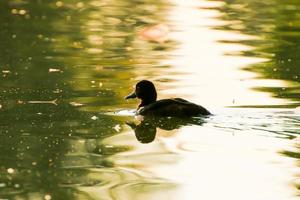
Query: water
[[67, 132]]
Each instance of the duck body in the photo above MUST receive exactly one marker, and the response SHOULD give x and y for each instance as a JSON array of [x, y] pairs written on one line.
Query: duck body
[[173, 107], [176, 107]]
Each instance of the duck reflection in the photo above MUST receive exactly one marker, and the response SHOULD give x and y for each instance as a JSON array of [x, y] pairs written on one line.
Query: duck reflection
[[145, 131]]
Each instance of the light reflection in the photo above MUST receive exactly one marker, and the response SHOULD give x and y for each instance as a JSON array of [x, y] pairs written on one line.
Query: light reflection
[[217, 77], [215, 163], [178, 164]]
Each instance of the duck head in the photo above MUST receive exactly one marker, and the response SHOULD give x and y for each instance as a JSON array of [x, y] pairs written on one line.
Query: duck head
[[145, 91]]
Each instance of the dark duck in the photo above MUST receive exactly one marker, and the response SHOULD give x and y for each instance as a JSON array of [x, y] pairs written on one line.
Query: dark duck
[[175, 107]]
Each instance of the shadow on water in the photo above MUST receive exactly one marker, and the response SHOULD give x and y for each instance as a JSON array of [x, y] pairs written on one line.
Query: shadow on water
[[145, 131]]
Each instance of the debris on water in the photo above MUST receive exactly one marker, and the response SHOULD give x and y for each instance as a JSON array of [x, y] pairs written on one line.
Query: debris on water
[[57, 91], [54, 102], [10, 170], [20, 102], [6, 72], [297, 109], [0, 106], [75, 104], [94, 117], [39, 113], [157, 33], [2, 185], [54, 70], [49, 57], [117, 127]]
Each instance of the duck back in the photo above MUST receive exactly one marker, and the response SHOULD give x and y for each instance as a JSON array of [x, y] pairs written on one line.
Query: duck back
[[173, 107]]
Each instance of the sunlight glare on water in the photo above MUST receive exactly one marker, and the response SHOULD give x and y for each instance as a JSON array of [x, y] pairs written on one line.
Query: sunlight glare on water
[[217, 77]]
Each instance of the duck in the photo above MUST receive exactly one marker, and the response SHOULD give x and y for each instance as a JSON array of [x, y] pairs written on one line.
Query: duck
[[173, 107]]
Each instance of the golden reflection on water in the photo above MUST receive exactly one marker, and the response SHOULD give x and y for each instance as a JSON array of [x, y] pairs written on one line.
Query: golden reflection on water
[[61, 136], [212, 77], [204, 162]]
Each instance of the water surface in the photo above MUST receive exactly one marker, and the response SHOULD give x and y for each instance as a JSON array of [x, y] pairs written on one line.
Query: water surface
[[67, 132]]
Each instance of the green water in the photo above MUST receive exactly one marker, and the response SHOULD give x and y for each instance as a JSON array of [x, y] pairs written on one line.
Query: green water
[[67, 132]]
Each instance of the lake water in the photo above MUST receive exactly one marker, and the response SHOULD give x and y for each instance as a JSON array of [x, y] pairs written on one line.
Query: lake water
[[67, 132]]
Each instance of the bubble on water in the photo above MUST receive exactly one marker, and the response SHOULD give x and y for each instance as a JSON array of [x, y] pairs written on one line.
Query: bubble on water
[[17, 185], [14, 11], [2, 185], [22, 12], [129, 48], [94, 117], [80, 5], [77, 45], [34, 163], [14, 36], [47, 197], [59, 4], [10, 170], [0, 106]]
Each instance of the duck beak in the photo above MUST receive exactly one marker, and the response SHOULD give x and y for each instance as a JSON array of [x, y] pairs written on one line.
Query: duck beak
[[131, 96]]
